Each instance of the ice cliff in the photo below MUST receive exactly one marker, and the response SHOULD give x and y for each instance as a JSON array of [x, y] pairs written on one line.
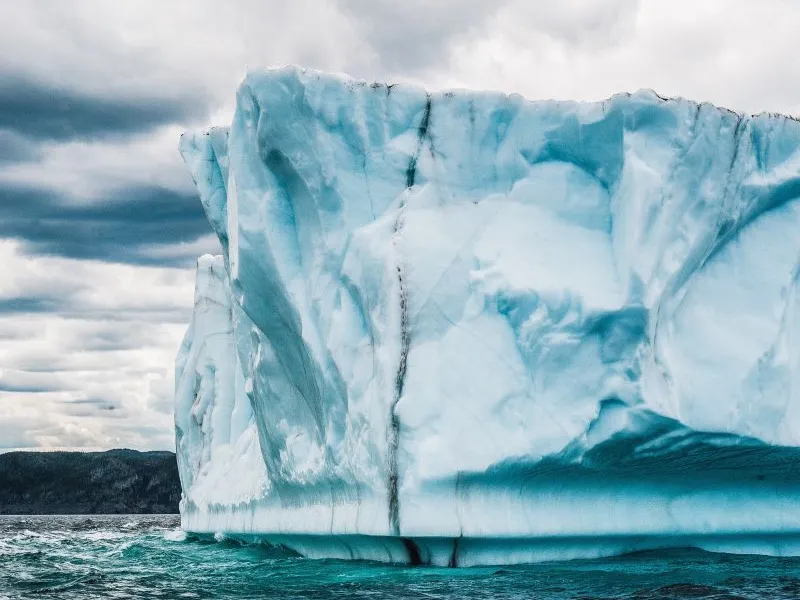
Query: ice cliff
[[464, 327]]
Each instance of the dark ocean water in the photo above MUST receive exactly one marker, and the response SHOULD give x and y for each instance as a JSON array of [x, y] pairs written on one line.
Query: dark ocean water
[[147, 557]]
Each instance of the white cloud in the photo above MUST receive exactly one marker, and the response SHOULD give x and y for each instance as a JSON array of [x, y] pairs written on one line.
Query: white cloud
[[88, 169], [733, 53], [98, 370]]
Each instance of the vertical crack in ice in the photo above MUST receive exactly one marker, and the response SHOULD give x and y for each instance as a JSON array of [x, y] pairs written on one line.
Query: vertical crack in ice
[[411, 170], [453, 562], [405, 338], [412, 550]]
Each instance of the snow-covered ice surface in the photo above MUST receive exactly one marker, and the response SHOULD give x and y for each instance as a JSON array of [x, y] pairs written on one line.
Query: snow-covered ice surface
[[466, 328]]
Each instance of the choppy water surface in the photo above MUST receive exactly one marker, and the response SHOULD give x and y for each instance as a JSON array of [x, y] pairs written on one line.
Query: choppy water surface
[[147, 557]]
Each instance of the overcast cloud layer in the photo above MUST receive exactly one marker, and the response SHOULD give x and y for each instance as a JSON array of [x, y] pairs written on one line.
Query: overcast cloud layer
[[99, 222]]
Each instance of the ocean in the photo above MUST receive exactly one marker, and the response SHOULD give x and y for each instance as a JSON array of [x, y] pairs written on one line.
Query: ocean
[[93, 557]]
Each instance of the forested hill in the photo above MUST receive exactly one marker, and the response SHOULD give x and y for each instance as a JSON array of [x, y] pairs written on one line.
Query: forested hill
[[112, 482]]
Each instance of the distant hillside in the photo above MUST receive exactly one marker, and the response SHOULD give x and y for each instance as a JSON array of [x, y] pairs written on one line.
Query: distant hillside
[[113, 482]]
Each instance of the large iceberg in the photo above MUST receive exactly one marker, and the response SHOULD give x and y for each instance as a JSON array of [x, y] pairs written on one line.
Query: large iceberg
[[466, 328]]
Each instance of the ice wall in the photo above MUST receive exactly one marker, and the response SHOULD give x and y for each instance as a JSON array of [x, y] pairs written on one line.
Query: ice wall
[[464, 327]]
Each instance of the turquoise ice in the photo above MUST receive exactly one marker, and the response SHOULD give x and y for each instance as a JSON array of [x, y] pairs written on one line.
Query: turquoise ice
[[464, 327]]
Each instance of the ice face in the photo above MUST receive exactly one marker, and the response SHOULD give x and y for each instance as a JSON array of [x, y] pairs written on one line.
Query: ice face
[[464, 327]]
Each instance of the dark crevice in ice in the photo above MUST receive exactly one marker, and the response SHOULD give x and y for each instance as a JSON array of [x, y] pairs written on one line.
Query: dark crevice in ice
[[405, 338], [411, 170], [394, 420], [453, 562], [414, 557]]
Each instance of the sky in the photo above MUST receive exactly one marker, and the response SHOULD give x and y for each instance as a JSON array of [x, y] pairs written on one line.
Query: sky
[[100, 225]]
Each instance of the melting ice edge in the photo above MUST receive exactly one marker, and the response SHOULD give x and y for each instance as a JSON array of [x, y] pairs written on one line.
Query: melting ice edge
[[465, 328]]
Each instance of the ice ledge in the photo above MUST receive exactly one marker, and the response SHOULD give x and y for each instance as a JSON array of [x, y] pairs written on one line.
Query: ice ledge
[[715, 494]]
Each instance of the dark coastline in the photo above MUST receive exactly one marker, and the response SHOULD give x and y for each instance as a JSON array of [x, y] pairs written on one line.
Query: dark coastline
[[89, 483]]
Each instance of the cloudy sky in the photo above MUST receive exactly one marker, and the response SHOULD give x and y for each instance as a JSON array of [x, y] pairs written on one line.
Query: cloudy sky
[[100, 226]]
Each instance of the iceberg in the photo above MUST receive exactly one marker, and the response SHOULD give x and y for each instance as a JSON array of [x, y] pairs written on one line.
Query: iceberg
[[463, 328]]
